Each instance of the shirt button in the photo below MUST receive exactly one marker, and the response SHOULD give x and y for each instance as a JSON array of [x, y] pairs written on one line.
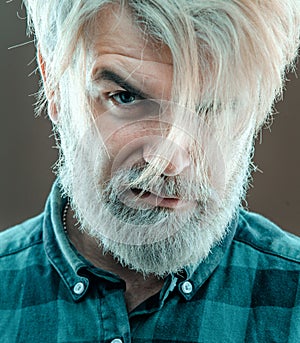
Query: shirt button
[[78, 288], [117, 340], [187, 287]]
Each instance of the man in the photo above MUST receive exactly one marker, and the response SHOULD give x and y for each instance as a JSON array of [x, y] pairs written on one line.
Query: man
[[155, 105]]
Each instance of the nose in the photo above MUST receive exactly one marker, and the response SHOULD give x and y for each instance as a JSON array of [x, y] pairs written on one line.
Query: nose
[[175, 162]]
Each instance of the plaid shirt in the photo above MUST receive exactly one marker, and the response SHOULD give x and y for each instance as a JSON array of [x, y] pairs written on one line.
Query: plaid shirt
[[246, 291]]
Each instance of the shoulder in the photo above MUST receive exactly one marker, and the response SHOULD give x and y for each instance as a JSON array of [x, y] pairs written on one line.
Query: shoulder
[[257, 233], [21, 237]]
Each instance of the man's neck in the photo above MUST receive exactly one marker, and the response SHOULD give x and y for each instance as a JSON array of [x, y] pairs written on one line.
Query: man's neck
[[138, 287]]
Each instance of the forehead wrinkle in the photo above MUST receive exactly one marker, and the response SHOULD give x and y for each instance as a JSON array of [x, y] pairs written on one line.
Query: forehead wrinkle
[[123, 62], [148, 51], [127, 55]]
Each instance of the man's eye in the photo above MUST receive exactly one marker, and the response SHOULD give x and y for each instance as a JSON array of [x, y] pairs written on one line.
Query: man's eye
[[126, 104], [124, 98]]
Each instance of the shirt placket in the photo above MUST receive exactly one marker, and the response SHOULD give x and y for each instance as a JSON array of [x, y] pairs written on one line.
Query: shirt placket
[[114, 317]]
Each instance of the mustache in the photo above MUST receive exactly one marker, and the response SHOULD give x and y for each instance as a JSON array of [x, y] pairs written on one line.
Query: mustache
[[181, 187]]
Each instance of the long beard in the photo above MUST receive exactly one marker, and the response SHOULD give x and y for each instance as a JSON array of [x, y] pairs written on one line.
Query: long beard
[[151, 240]]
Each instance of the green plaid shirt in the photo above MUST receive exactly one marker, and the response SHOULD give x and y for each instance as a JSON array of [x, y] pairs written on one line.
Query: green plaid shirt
[[248, 290]]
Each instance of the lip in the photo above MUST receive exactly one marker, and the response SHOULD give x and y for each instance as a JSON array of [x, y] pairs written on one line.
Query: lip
[[155, 200]]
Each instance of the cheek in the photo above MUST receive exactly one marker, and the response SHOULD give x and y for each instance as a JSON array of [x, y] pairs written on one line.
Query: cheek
[[117, 132], [116, 142], [124, 143]]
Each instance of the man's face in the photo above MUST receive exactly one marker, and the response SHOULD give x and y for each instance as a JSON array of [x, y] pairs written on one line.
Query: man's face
[[154, 222], [132, 80]]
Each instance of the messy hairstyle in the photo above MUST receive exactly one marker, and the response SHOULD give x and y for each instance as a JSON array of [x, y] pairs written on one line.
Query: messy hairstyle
[[229, 56]]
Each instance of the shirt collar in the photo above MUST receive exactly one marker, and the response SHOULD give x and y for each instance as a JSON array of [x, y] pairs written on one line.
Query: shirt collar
[[196, 275], [57, 246], [68, 262]]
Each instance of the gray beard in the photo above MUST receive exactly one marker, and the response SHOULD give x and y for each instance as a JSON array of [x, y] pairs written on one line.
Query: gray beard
[[151, 240], [156, 240]]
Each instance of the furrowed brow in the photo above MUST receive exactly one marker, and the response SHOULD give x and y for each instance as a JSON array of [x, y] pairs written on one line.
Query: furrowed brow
[[109, 75]]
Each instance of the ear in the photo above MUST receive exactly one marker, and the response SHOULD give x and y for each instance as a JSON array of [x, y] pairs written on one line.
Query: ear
[[50, 93]]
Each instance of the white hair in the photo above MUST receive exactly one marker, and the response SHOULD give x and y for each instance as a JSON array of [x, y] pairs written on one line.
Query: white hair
[[229, 56], [239, 44]]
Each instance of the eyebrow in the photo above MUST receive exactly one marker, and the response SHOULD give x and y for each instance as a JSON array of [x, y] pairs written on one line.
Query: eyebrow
[[109, 75]]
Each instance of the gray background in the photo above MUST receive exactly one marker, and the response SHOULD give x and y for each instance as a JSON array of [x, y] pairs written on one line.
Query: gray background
[[27, 153]]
